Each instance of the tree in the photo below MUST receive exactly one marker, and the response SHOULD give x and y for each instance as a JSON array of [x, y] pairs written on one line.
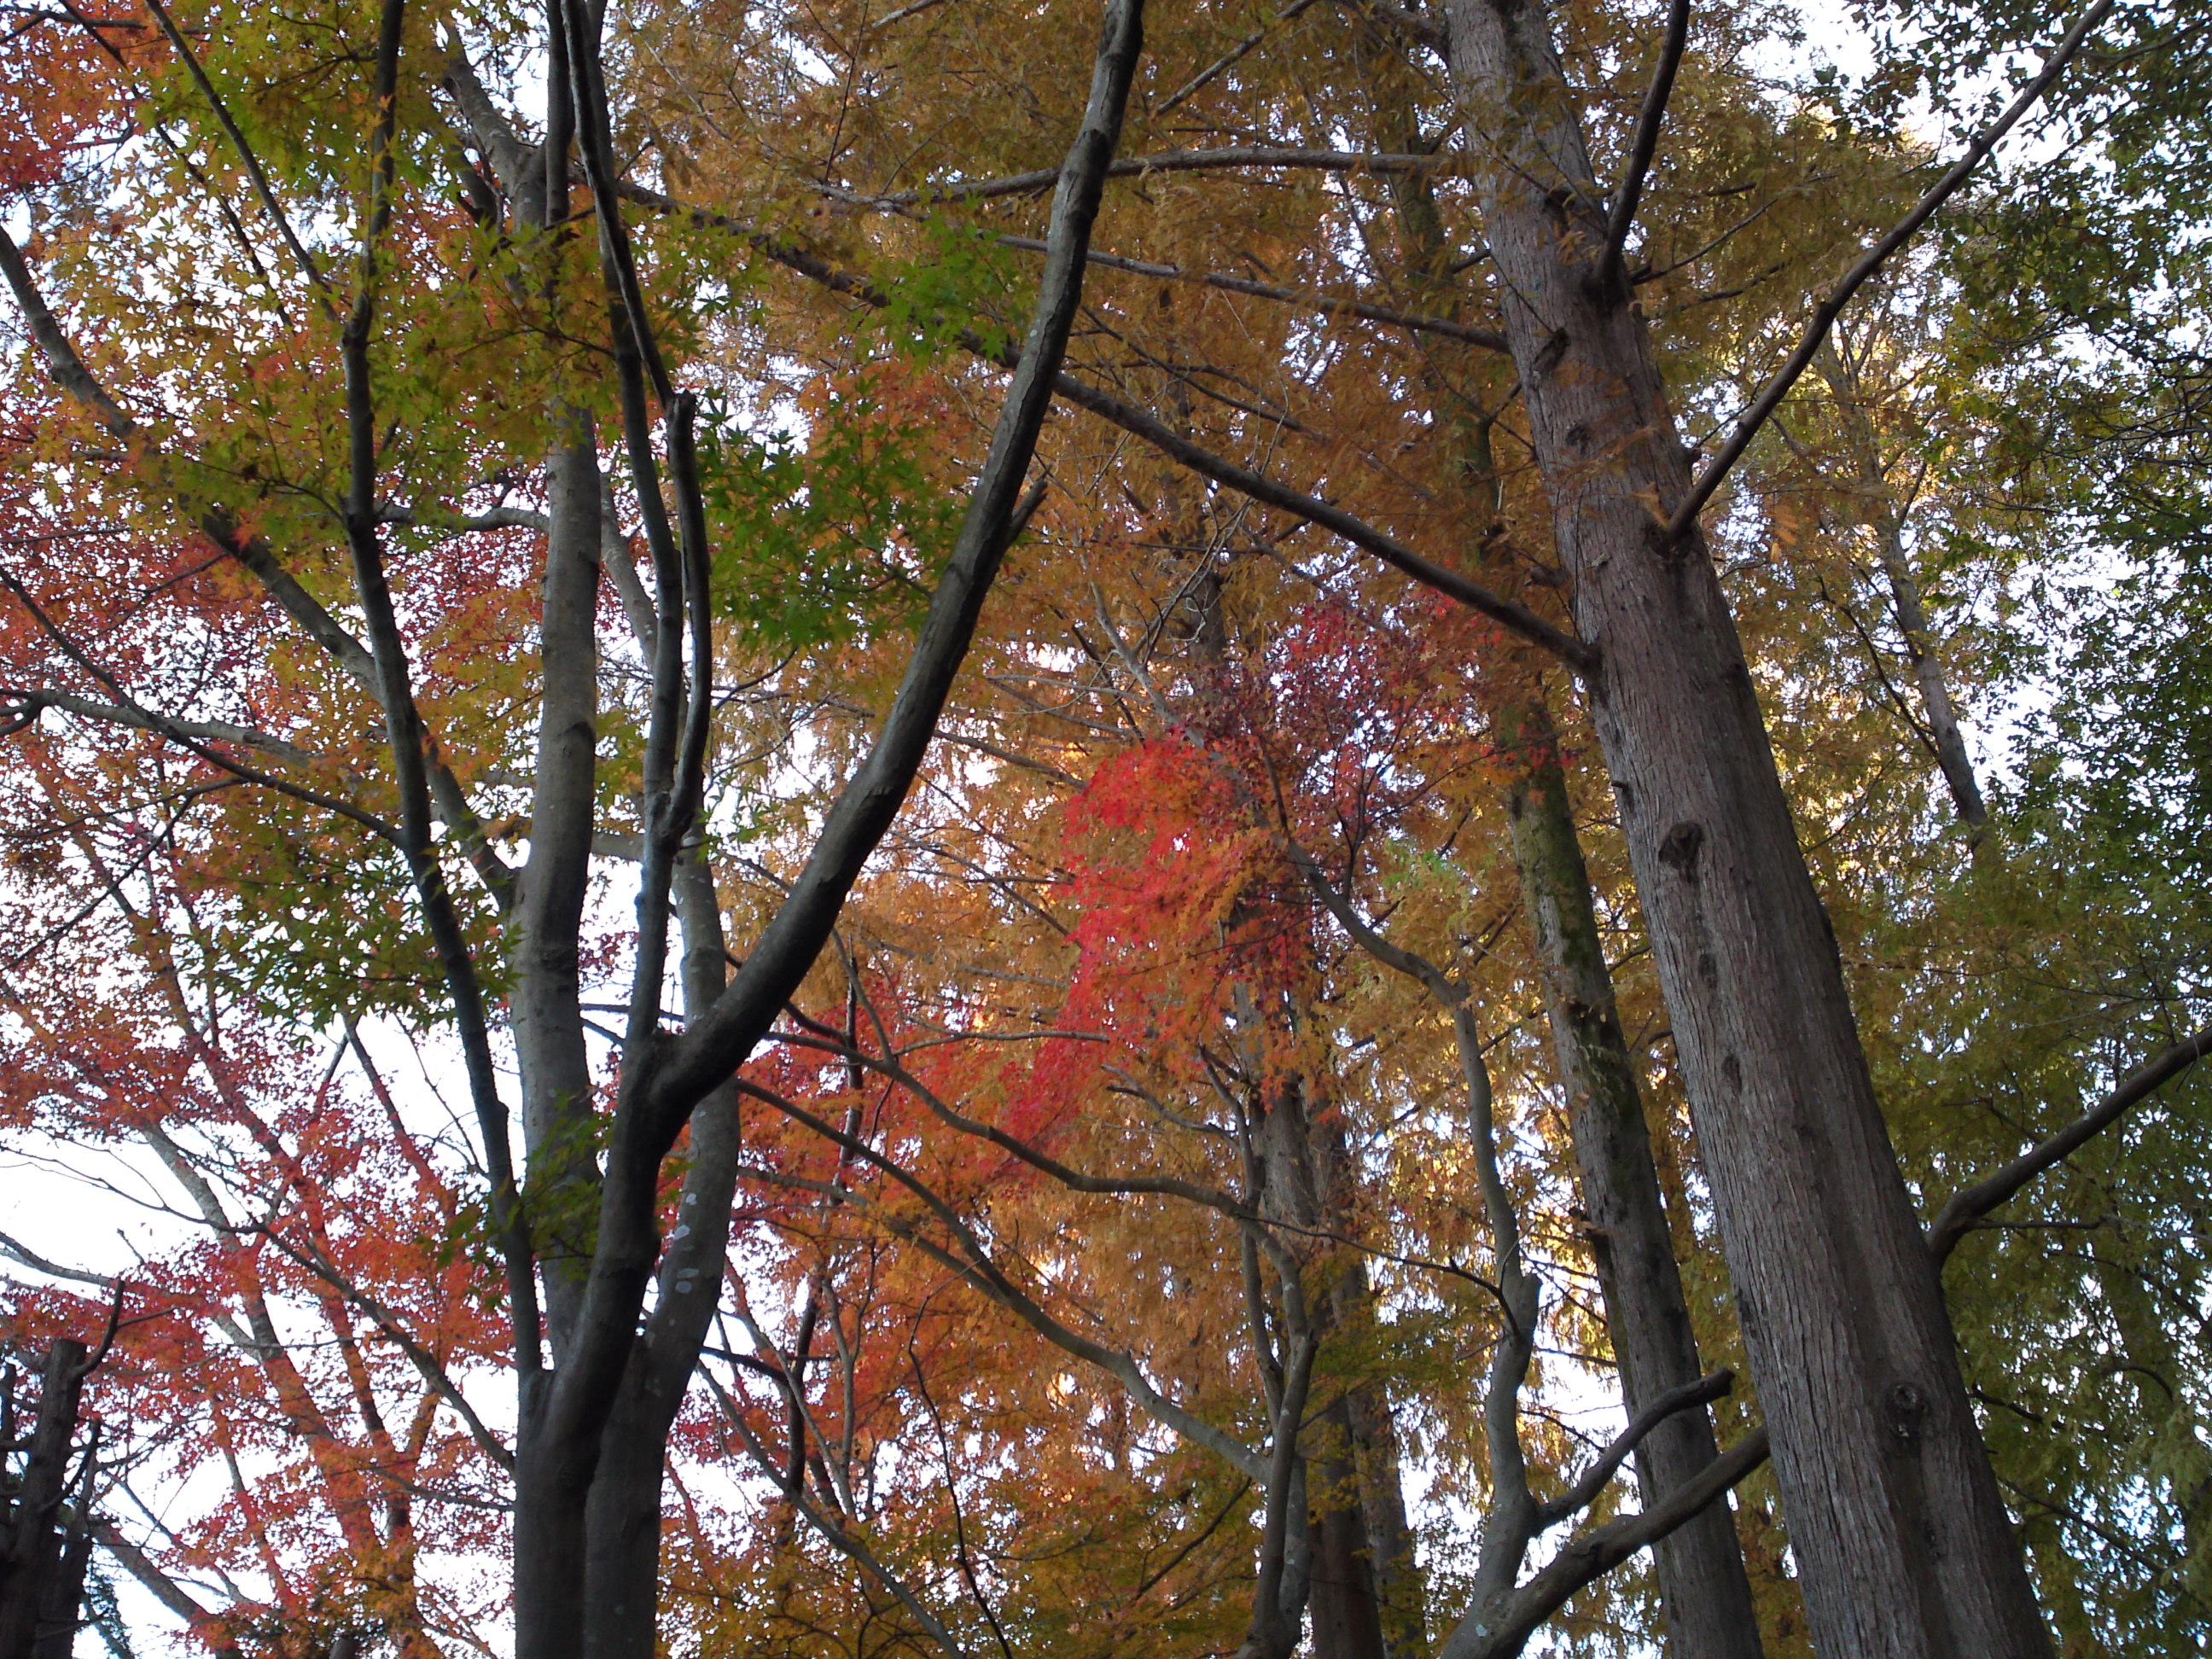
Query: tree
[[1206, 791], [588, 1498]]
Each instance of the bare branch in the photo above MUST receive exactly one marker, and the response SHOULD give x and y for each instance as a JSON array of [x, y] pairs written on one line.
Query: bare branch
[[1825, 315], [251, 163], [139, 719], [1139, 424], [1957, 1217], [1229, 59]]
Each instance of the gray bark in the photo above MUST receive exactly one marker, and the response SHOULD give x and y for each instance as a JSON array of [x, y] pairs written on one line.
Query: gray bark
[[545, 1012], [1702, 1588], [1936, 704], [623, 1519], [1903, 1543], [1703, 1591]]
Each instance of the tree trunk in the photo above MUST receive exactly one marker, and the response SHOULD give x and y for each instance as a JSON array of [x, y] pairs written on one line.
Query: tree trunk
[[1306, 1174], [622, 1517], [1703, 1591], [1702, 1588], [31, 1543], [545, 1010], [1902, 1541], [1398, 1592], [1344, 1601], [551, 1483]]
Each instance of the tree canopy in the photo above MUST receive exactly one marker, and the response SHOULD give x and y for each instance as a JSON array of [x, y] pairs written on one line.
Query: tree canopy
[[1103, 828]]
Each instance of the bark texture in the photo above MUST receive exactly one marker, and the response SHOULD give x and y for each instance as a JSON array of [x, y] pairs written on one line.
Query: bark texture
[[1903, 1543], [1703, 1591], [1702, 1588]]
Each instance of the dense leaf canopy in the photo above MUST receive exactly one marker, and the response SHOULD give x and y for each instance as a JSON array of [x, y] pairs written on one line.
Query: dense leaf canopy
[[1159, 1209]]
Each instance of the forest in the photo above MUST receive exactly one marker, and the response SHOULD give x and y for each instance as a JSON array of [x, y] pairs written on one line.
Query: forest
[[1119, 829]]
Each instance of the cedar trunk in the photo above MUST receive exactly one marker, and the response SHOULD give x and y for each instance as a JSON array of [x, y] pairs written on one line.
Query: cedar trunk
[[1902, 1541], [1703, 1591]]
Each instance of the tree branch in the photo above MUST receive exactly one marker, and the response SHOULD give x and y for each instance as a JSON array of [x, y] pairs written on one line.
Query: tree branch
[[1582, 1561], [679, 1073], [1489, 339], [1647, 131], [245, 155], [1580, 1496], [1824, 317], [1507, 613], [1175, 161], [1968, 1205]]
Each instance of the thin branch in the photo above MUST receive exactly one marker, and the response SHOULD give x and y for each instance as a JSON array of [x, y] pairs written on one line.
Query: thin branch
[[1580, 1496], [678, 1073], [162, 726], [1489, 339], [1229, 59], [1131, 166], [1640, 153], [244, 737], [245, 155], [1139, 423], [1824, 317], [982, 1273], [1957, 1217], [1581, 1561]]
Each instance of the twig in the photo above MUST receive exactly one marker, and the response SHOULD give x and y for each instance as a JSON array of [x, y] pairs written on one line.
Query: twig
[[1229, 59]]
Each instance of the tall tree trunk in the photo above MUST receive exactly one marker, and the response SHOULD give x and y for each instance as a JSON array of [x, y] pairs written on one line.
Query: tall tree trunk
[[545, 1010], [1703, 1590], [1904, 1544], [1365, 1599], [551, 1483]]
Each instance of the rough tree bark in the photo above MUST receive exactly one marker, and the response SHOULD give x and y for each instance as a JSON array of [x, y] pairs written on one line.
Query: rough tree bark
[[1903, 1542], [1703, 1590]]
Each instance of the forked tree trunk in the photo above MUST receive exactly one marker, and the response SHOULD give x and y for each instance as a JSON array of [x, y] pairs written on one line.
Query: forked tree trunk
[[622, 1521], [1903, 1543]]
